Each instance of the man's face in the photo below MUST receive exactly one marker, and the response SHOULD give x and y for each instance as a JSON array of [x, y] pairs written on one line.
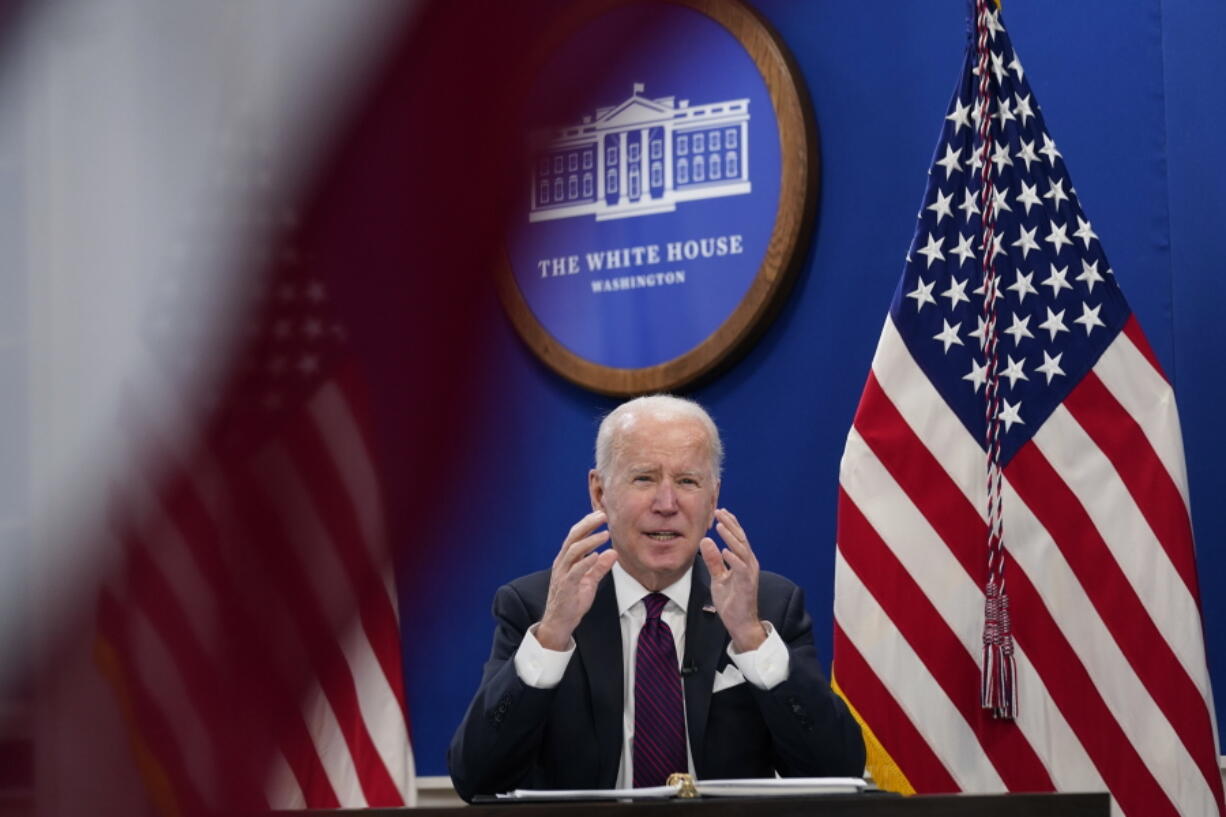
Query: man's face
[[660, 497]]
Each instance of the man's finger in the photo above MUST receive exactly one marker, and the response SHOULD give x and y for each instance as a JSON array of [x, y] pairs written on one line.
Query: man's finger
[[729, 519], [735, 543], [577, 551], [582, 528], [602, 564], [735, 563], [713, 558]]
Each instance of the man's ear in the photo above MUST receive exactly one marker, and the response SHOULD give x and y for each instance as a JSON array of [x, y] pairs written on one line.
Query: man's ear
[[595, 490]]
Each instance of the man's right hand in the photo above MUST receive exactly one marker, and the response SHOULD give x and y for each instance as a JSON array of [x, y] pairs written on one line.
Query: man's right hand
[[576, 572]]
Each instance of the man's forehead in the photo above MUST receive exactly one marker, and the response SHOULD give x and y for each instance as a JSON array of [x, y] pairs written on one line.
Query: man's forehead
[[680, 445], [653, 432], [655, 422]]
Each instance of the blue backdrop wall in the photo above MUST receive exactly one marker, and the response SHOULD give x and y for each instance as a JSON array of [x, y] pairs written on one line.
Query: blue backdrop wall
[[1132, 94]]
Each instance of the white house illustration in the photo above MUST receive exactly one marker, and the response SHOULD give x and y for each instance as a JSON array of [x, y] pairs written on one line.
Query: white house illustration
[[639, 157]]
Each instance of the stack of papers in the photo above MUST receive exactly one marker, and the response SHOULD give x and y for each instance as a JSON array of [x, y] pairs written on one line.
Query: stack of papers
[[753, 787]]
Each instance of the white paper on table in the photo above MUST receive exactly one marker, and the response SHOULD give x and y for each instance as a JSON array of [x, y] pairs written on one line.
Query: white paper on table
[[748, 787]]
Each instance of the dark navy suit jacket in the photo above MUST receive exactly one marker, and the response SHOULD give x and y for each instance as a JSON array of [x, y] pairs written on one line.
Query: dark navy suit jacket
[[570, 737]]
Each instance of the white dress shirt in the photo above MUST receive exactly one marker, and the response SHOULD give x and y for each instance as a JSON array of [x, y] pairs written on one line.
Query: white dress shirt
[[542, 668]]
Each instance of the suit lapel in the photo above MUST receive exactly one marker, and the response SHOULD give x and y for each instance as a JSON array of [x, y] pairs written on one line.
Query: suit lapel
[[598, 639], [705, 638]]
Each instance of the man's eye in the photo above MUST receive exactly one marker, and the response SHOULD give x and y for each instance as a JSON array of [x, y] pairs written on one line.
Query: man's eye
[[688, 481], [642, 478]]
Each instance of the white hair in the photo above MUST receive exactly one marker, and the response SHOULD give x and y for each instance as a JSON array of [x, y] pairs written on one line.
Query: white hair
[[663, 406]]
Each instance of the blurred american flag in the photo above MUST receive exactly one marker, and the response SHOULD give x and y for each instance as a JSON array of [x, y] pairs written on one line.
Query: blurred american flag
[[251, 633]]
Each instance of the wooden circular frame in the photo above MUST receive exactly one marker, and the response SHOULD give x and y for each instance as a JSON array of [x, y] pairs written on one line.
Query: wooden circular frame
[[798, 190]]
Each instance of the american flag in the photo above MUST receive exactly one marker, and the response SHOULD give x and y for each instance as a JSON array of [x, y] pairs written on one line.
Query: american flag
[[251, 631], [1111, 682]]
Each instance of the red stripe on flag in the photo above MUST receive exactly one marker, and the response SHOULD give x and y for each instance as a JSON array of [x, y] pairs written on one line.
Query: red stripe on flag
[[938, 647], [1135, 334], [150, 723], [1117, 603], [319, 636], [152, 594], [922, 477], [350, 383], [187, 510], [329, 497], [1074, 693], [1153, 491], [177, 494], [890, 724], [298, 749]]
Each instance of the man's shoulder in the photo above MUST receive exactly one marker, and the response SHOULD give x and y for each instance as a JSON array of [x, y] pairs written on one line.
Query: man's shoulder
[[779, 598], [531, 586], [775, 583], [522, 599]]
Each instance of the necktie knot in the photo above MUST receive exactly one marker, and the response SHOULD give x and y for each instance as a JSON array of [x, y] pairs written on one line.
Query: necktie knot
[[654, 602]]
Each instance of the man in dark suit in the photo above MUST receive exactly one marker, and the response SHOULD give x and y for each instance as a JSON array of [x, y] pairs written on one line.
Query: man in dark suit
[[558, 706]]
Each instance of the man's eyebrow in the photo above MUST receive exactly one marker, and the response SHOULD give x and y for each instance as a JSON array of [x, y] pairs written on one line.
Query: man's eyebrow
[[650, 469], [698, 476]]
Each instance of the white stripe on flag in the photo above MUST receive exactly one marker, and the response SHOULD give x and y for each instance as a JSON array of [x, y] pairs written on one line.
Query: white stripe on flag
[[377, 703], [1145, 394], [960, 602], [164, 543], [889, 655], [333, 750], [336, 425], [1094, 481], [1049, 733], [926, 412], [935, 424], [1127, 698], [281, 787], [305, 534], [163, 680], [379, 708], [908, 535]]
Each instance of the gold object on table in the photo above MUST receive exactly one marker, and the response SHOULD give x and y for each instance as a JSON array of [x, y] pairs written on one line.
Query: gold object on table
[[685, 783]]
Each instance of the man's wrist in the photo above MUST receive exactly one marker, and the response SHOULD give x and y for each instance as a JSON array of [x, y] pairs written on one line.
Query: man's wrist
[[552, 637], [749, 638]]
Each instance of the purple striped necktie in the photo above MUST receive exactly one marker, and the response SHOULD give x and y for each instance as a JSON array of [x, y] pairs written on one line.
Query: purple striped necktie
[[659, 715]]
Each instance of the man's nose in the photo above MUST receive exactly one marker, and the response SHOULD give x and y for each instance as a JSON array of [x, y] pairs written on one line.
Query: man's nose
[[665, 499]]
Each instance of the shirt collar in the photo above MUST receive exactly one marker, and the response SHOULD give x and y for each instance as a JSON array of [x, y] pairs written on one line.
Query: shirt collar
[[630, 591]]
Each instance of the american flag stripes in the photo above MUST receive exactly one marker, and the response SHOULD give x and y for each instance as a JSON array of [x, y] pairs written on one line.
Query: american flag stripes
[[252, 632], [1112, 687]]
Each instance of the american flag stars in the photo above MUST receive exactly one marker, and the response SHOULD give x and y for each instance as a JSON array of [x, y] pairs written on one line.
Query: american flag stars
[[297, 338], [1050, 269]]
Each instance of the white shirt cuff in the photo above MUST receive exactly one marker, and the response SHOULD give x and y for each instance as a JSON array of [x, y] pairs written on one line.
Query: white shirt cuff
[[766, 667], [543, 668]]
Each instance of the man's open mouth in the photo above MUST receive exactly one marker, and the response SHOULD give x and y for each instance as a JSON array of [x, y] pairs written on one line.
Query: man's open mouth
[[664, 535]]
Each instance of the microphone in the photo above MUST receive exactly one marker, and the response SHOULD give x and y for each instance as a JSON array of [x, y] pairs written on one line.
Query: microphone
[[688, 669]]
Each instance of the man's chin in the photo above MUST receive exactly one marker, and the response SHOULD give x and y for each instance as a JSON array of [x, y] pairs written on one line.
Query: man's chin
[[671, 565]]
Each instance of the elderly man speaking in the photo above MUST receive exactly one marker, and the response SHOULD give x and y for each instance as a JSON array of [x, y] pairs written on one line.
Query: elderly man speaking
[[619, 667]]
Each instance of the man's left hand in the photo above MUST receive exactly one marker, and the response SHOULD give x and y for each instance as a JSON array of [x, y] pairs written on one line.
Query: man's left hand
[[734, 582]]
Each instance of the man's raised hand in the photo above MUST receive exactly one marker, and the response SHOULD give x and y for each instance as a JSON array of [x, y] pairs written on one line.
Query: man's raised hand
[[576, 572], [734, 582]]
